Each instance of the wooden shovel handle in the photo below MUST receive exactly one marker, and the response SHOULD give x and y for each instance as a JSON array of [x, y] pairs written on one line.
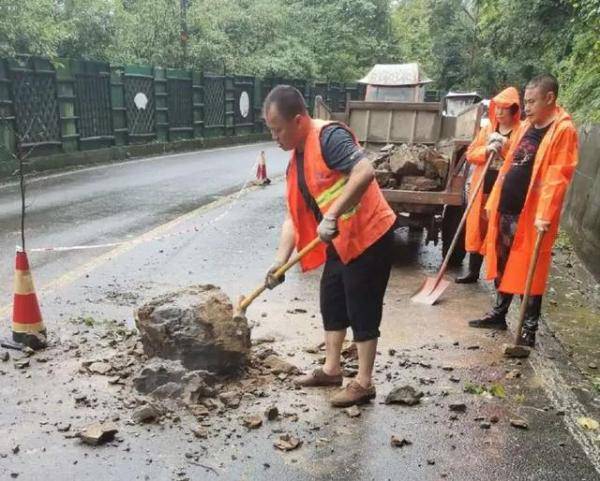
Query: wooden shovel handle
[[470, 204], [529, 282], [246, 301]]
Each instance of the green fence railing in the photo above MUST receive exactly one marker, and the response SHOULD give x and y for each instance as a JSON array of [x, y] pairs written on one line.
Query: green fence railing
[[51, 107]]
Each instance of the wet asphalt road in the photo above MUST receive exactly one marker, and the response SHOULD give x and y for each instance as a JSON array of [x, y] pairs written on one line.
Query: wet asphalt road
[[115, 202], [229, 243]]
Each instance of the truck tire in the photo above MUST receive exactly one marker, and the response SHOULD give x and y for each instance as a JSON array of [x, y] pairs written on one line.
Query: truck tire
[[450, 222]]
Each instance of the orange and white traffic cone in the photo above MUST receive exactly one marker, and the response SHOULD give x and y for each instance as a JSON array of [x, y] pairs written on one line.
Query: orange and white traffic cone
[[261, 170], [27, 324]]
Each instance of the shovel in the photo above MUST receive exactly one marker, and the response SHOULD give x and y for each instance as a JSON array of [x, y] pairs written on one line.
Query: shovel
[[246, 301], [516, 350], [434, 287]]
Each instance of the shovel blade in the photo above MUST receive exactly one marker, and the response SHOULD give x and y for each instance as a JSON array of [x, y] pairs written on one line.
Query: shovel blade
[[429, 292]]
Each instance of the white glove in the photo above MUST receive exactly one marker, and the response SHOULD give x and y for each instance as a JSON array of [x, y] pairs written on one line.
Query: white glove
[[327, 229], [496, 137], [494, 147], [271, 282]]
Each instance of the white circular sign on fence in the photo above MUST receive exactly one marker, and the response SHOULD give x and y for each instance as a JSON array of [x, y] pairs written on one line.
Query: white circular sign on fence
[[140, 100], [244, 104]]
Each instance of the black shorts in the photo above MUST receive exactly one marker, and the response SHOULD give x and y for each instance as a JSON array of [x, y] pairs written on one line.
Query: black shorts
[[352, 294]]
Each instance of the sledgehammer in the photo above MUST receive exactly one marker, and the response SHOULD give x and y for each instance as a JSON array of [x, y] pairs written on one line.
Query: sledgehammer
[[244, 302], [517, 350]]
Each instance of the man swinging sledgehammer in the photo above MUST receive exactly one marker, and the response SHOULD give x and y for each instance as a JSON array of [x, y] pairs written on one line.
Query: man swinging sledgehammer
[[332, 194]]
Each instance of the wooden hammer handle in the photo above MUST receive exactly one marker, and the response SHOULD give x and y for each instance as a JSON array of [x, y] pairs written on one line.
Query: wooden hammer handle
[[246, 301]]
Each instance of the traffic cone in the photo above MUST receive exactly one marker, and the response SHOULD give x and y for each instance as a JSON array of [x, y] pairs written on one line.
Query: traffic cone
[[261, 170], [27, 324]]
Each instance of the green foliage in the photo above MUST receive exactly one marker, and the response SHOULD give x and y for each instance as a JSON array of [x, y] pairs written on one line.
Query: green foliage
[[462, 44], [476, 389], [495, 389], [30, 26]]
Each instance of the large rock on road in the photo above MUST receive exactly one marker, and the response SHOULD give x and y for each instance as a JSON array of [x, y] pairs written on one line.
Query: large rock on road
[[196, 326]]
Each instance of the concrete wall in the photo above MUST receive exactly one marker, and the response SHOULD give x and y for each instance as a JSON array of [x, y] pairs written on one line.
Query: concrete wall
[[581, 217]]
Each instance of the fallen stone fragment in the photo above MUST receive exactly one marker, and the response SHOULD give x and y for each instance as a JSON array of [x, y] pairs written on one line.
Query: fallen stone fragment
[[431, 462], [447, 368], [63, 427], [399, 442], [22, 363], [146, 414], [167, 379], [589, 424], [514, 351], [314, 349], [272, 413], [458, 407], [16, 449], [287, 442], [485, 425], [80, 399], [514, 374], [98, 433], [200, 432], [278, 366], [352, 411], [263, 340], [230, 399], [100, 368], [494, 419], [4, 356], [350, 351], [253, 421], [519, 423], [405, 395], [297, 310], [593, 365], [197, 326], [454, 379], [348, 372], [473, 347]]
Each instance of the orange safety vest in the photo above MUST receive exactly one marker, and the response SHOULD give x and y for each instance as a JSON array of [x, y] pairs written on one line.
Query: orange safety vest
[[359, 228], [476, 155], [553, 170]]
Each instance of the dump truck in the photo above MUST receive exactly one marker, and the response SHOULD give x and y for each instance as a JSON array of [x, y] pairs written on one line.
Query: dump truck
[[418, 152]]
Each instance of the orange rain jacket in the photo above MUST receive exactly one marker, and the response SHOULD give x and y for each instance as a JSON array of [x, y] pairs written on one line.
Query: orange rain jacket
[[476, 155], [359, 228], [553, 169]]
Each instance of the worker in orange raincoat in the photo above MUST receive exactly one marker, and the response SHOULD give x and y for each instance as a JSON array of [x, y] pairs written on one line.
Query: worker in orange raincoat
[[505, 118], [527, 199]]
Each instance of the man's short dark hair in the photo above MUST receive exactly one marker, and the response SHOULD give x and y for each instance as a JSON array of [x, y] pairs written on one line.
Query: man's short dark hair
[[546, 82], [288, 99]]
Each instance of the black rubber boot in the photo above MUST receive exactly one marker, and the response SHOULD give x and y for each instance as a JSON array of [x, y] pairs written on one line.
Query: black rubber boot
[[527, 338], [497, 318], [475, 262], [530, 323]]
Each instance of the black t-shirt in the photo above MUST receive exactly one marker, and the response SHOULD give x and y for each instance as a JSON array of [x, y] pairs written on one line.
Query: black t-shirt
[[340, 153], [516, 182]]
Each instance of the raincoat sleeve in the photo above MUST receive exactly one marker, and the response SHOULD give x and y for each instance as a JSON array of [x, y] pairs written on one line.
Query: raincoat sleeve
[[558, 176], [476, 151]]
